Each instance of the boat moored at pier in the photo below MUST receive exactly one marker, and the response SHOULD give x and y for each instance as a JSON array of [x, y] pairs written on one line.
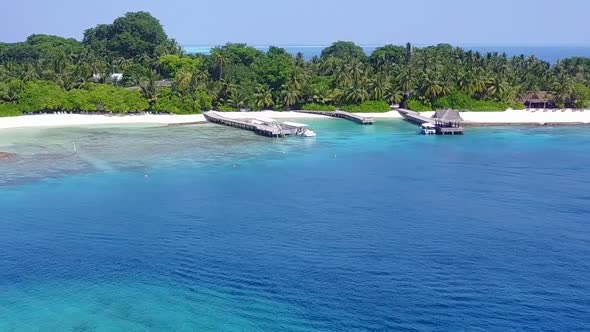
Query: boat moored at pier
[[442, 121], [297, 129], [262, 126], [427, 129]]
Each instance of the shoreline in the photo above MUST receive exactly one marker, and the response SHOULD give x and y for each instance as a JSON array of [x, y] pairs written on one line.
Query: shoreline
[[526, 117], [523, 124], [472, 119], [68, 120]]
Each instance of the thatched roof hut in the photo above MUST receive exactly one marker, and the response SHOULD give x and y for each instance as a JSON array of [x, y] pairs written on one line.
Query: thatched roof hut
[[448, 115], [538, 99], [544, 99]]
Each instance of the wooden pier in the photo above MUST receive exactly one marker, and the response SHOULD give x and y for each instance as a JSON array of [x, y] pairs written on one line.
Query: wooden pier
[[343, 115], [246, 124], [442, 127]]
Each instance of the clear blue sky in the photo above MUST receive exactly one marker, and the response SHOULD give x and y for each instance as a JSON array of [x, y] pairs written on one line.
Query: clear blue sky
[[317, 22]]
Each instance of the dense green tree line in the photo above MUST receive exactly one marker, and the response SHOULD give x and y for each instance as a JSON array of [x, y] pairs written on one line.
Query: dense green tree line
[[49, 73]]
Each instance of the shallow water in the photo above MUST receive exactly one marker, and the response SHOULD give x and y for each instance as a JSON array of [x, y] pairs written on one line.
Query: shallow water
[[362, 228]]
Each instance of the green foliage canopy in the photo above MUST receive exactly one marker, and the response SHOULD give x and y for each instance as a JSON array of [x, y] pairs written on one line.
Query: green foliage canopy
[[50, 73], [344, 50], [133, 35]]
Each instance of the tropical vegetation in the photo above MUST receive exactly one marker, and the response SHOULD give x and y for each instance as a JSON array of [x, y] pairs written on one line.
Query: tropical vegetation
[[50, 73]]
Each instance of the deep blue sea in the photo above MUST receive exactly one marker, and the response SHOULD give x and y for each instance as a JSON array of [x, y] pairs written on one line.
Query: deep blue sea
[[363, 228], [544, 52]]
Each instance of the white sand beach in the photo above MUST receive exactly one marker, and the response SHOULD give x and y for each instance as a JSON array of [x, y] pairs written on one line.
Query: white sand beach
[[529, 117], [532, 117], [272, 115], [484, 118], [539, 117], [65, 120]]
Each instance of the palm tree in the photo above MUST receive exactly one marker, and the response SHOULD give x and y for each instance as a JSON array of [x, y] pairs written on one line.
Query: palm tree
[[431, 88], [463, 80], [478, 83], [263, 97], [228, 89], [563, 88], [68, 78], [329, 65], [342, 76], [356, 94], [355, 70], [4, 73], [299, 60], [58, 62], [83, 72], [220, 59], [183, 82], [322, 95], [100, 70], [446, 87], [124, 64], [497, 87], [145, 59], [238, 100], [378, 87], [297, 78], [12, 91], [29, 73], [406, 83], [200, 79], [394, 96], [148, 86], [409, 53], [213, 89], [289, 95]]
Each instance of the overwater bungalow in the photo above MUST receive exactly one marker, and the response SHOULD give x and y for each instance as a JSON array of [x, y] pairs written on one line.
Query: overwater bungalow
[[446, 122], [447, 118]]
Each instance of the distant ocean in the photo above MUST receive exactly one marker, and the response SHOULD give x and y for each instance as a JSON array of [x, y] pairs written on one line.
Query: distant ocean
[[548, 53]]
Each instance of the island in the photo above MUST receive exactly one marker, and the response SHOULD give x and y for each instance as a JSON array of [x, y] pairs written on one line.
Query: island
[[132, 67]]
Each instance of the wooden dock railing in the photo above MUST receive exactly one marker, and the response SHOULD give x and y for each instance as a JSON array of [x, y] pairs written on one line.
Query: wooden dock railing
[[442, 127], [260, 129], [343, 115]]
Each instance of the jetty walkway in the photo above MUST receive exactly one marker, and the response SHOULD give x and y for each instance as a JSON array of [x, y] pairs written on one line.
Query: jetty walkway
[[257, 127], [443, 126], [343, 115]]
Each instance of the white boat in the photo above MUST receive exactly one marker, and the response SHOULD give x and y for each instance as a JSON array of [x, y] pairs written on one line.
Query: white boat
[[298, 129], [264, 121], [427, 129]]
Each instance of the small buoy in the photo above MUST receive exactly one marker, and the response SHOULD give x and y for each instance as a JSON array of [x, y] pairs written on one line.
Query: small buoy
[[146, 176]]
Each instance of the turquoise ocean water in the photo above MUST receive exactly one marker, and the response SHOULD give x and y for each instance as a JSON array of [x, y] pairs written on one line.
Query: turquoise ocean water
[[363, 228]]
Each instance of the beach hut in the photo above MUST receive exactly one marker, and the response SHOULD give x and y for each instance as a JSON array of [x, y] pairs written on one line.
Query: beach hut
[[538, 99], [447, 118], [543, 100]]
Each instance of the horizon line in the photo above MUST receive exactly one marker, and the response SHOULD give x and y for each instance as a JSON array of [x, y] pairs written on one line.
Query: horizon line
[[384, 44]]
